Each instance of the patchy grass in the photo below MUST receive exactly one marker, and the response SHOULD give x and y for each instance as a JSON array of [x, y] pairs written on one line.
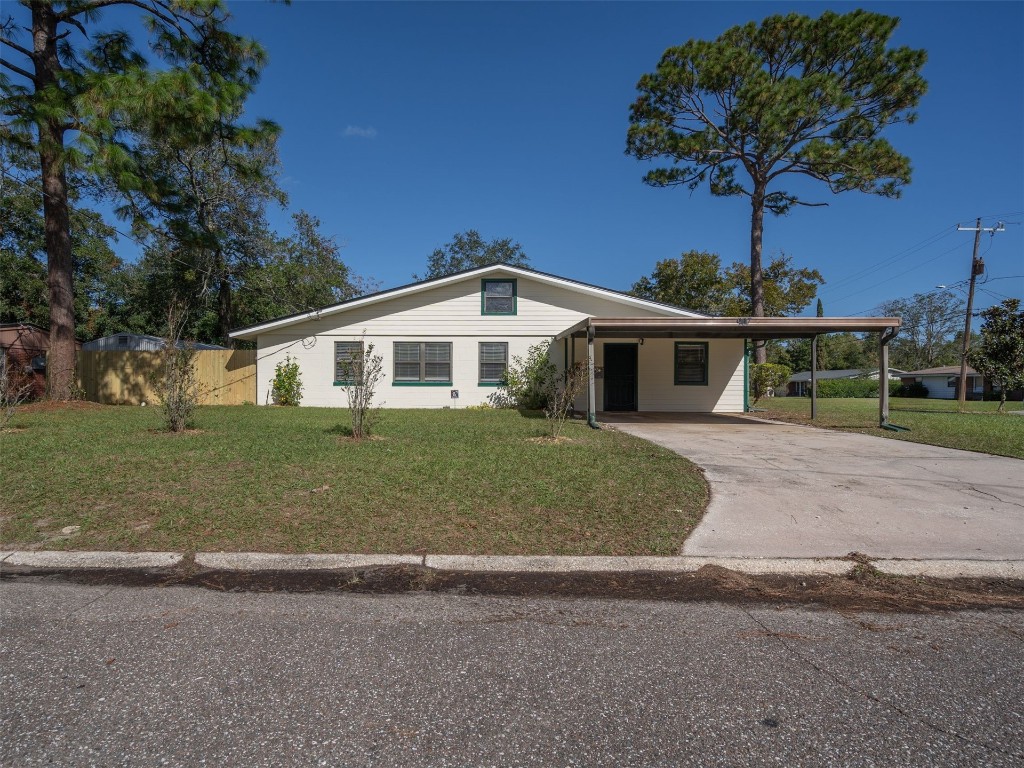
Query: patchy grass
[[288, 480], [935, 422]]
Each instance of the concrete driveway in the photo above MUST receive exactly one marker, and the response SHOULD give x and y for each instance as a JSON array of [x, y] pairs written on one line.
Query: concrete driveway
[[780, 490]]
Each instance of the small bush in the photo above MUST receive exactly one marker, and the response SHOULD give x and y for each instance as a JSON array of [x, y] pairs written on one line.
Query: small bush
[[15, 388], [917, 389], [363, 372], [852, 388], [765, 377], [528, 381], [175, 380], [562, 395], [286, 388]]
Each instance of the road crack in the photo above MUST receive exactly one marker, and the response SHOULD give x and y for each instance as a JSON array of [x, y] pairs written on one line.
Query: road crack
[[792, 648]]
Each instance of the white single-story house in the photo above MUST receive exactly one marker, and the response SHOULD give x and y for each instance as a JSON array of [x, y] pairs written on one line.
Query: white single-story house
[[944, 382], [799, 384], [446, 342]]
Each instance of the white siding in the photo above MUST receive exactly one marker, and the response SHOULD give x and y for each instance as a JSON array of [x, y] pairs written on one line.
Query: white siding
[[452, 313], [938, 386], [656, 387]]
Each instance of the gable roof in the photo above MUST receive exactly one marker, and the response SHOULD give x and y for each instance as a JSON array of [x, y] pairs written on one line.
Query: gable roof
[[542, 277], [845, 373], [943, 370]]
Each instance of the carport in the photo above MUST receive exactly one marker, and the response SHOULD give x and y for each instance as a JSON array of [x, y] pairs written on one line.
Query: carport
[[750, 329]]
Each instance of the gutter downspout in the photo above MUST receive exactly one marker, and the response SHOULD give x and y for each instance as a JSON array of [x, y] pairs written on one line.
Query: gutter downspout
[[814, 377], [883, 381], [591, 389], [746, 376]]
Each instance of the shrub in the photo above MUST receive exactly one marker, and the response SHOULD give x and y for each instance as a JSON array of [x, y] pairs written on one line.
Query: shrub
[[363, 372], [917, 389], [765, 377], [853, 387], [15, 388], [562, 395], [528, 381], [286, 388], [175, 380]]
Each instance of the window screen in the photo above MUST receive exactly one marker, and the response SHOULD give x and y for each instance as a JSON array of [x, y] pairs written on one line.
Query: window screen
[[691, 363], [499, 297], [347, 354], [493, 361], [427, 361]]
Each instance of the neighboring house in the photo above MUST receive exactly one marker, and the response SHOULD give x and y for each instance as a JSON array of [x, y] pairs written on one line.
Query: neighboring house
[[24, 346], [447, 342], [134, 342], [799, 384], [944, 382]]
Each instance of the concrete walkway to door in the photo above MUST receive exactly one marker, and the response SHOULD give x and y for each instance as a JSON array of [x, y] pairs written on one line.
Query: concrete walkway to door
[[780, 490]]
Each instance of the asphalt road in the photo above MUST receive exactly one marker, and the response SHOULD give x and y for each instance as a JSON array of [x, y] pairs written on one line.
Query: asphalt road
[[182, 676]]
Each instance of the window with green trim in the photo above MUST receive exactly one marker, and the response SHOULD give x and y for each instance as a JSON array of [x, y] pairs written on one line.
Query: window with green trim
[[423, 362], [348, 355], [498, 297], [493, 361], [691, 362]]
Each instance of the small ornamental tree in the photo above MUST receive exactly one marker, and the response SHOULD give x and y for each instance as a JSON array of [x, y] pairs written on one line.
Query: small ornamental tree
[[176, 380], [15, 388], [999, 357], [362, 373], [286, 388], [562, 395], [765, 377]]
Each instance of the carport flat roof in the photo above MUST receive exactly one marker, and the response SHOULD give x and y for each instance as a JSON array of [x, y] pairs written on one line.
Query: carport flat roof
[[758, 328]]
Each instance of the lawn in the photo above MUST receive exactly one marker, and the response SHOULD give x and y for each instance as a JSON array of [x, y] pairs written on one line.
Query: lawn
[[288, 480], [935, 422]]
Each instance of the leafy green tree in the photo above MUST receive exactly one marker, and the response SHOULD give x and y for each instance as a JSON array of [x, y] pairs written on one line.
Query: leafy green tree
[[300, 272], [207, 208], [696, 281], [78, 93], [24, 297], [793, 96], [999, 356], [928, 336], [468, 250]]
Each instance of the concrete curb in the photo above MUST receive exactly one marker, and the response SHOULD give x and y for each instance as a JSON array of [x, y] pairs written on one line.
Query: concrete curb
[[258, 561], [678, 564], [105, 560]]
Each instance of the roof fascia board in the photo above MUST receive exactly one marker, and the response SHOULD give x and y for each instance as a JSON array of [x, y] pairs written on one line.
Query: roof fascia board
[[253, 331]]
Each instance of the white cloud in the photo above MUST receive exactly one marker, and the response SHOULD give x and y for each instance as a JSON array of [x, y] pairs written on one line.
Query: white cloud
[[369, 132]]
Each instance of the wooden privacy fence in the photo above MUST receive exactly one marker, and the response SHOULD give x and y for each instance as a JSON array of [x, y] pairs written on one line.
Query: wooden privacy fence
[[226, 376]]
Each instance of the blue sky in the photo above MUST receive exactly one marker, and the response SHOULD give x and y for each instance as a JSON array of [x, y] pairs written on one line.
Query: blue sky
[[404, 123]]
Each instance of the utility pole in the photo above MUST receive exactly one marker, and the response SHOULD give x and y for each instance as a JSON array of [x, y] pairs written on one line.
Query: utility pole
[[977, 268]]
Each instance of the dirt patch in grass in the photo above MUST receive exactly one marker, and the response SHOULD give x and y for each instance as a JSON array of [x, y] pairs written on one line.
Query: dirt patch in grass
[[549, 440]]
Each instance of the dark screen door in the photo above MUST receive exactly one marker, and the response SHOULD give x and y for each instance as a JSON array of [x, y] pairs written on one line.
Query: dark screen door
[[620, 369]]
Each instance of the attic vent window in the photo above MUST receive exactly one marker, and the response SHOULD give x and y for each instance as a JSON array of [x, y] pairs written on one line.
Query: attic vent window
[[122, 341], [498, 297]]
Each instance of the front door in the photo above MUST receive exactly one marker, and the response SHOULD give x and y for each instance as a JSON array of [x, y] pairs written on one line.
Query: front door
[[620, 369]]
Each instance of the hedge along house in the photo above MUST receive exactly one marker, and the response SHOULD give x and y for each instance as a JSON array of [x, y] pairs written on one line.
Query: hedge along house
[[446, 343]]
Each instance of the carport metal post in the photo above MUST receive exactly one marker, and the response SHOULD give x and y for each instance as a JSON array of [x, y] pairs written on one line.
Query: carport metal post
[[883, 380], [591, 389], [814, 377]]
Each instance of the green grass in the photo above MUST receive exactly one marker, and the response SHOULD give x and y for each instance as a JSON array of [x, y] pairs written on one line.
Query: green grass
[[935, 422], [437, 481]]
